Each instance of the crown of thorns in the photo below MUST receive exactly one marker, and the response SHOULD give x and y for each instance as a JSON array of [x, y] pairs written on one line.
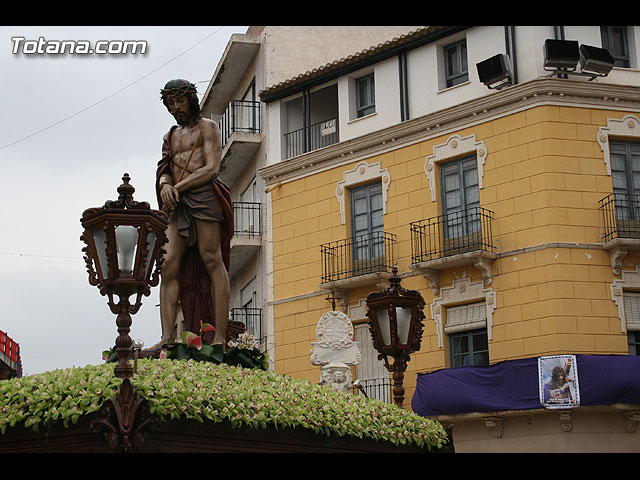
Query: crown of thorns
[[178, 90]]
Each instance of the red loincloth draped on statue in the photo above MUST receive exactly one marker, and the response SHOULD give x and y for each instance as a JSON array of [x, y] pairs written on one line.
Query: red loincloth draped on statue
[[195, 285]]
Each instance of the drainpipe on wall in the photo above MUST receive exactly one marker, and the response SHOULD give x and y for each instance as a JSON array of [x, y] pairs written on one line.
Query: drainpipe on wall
[[510, 45]]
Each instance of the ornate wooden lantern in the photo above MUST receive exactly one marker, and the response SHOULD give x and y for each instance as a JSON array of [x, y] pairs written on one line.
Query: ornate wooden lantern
[[395, 321], [123, 253]]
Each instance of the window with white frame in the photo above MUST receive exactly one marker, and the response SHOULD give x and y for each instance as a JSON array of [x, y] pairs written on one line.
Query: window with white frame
[[455, 63]]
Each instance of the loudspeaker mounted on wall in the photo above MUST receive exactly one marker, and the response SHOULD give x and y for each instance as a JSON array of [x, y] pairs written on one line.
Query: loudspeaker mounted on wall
[[495, 70], [561, 54], [595, 60]]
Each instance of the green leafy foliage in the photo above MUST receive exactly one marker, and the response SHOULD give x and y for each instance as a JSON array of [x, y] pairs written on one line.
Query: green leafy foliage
[[241, 352], [211, 392]]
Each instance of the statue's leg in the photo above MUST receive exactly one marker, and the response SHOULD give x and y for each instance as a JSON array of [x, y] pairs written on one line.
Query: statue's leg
[[170, 285], [209, 243]]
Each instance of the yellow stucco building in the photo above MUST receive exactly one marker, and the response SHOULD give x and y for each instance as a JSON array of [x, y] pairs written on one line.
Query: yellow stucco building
[[543, 177], [512, 213]]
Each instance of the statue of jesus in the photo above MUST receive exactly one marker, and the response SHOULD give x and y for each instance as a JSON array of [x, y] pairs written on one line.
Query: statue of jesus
[[196, 264]]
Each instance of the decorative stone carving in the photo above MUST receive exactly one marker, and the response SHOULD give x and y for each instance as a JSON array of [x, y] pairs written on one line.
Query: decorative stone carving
[[626, 127], [631, 420], [484, 266], [617, 254], [565, 421], [335, 351], [463, 290], [363, 172], [631, 281], [495, 425], [433, 276]]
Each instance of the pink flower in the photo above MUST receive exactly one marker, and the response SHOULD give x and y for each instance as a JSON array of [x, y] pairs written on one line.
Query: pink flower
[[206, 327]]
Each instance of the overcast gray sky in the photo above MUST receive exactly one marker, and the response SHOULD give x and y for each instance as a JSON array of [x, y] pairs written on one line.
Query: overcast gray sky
[[71, 126]]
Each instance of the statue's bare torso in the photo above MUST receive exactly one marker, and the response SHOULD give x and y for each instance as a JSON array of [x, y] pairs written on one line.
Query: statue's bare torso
[[183, 140]]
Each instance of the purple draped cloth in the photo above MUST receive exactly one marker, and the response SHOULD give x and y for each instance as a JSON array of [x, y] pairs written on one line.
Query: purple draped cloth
[[514, 385]]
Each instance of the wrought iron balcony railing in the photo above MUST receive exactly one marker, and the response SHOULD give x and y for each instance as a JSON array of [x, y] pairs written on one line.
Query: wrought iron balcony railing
[[378, 388], [620, 216], [452, 234], [318, 135], [252, 320], [246, 219], [360, 255], [242, 116]]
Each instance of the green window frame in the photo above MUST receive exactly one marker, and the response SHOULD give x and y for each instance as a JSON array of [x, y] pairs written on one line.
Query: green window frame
[[460, 197], [625, 176], [367, 221], [634, 342], [469, 348]]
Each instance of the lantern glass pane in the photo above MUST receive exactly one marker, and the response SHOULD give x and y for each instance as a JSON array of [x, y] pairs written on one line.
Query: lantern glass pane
[[384, 325], [151, 238], [403, 320], [126, 241], [100, 240]]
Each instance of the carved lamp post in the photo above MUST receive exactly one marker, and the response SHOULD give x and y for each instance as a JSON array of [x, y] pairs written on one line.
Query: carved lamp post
[[395, 321], [124, 240]]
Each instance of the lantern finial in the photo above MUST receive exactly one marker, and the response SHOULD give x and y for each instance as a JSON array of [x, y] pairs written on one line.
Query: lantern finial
[[125, 197]]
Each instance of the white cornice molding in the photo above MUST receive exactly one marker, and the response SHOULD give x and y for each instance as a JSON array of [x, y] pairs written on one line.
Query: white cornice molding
[[544, 91]]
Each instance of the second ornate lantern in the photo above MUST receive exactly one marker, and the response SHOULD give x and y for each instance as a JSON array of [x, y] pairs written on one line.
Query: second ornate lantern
[[395, 321]]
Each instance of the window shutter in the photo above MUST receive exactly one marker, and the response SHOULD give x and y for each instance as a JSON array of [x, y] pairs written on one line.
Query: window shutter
[[632, 310], [466, 317], [370, 367]]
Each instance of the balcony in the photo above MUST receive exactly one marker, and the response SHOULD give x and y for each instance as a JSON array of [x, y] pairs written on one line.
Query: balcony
[[378, 388], [359, 261], [241, 134], [247, 234], [621, 226], [453, 240], [252, 320], [318, 135]]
